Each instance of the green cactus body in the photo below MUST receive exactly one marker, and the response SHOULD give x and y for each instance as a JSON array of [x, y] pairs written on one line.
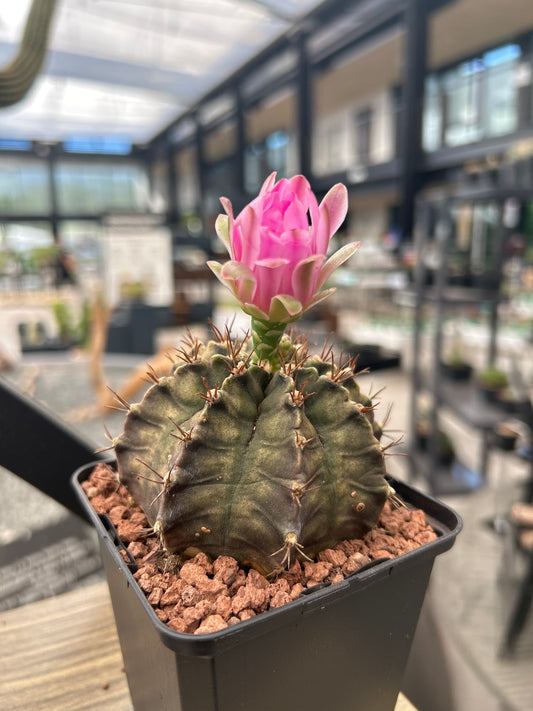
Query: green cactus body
[[229, 458]]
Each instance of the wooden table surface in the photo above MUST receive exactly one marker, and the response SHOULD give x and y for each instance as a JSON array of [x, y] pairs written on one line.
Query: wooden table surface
[[63, 654]]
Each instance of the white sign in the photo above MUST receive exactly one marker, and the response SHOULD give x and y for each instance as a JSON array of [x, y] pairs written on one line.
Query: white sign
[[138, 258]]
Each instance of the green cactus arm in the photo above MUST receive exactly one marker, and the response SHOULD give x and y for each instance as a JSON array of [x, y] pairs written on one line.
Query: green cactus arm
[[214, 476], [153, 428], [350, 448]]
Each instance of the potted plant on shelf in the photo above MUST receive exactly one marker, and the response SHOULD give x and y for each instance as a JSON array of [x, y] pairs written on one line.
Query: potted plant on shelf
[[261, 476], [492, 382], [445, 452], [455, 365]]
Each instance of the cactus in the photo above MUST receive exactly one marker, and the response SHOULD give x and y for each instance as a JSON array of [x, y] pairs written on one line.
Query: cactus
[[228, 457], [253, 448]]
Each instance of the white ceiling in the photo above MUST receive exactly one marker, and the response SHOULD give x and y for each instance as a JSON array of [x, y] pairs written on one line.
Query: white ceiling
[[127, 68]]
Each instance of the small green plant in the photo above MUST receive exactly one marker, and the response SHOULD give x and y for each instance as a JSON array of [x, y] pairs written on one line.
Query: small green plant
[[456, 357], [65, 321], [73, 328], [133, 290], [493, 378], [39, 257], [84, 325]]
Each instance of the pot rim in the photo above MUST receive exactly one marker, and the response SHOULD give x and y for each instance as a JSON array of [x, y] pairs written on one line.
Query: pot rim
[[444, 520]]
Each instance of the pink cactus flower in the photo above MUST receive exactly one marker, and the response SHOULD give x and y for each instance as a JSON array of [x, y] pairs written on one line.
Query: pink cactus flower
[[278, 246]]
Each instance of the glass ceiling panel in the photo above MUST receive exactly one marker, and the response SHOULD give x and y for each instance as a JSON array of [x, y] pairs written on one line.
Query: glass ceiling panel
[[129, 67], [60, 109]]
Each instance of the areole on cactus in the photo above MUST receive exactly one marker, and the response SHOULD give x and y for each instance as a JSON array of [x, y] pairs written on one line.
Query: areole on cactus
[[260, 450]]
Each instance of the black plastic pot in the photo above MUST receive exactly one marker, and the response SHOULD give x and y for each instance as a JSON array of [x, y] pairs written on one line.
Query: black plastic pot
[[342, 646], [373, 356], [456, 372], [490, 394], [504, 437]]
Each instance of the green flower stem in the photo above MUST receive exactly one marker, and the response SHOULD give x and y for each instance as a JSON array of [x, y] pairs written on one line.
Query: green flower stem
[[266, 337]]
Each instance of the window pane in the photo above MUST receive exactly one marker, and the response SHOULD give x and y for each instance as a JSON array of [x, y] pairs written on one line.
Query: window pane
[[363, 137], [265, 157], [92, 188], [463, 100], [27, 256], [432, 122], [501, 105], [24, 187], [473, 100], [160, 186], [188, 192]]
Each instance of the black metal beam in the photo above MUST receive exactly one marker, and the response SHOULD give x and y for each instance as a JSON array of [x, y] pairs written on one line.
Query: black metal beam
[[305, 108], [228, 84], [41, 150], [64, 216], [379, 17], [201, 169], [172, 176], [453, 156], [316, 19], [377, 178], [52, 188], [241, 142], [37, 446], [410, 149]]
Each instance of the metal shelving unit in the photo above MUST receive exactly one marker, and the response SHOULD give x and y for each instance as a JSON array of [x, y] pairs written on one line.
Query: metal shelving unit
[[463, 400]]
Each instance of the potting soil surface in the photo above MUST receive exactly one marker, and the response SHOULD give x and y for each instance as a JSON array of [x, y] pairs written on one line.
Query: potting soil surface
[[203, 596]]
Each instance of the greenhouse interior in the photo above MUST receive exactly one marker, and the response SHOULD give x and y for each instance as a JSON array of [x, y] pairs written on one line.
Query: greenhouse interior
[[140, 142]]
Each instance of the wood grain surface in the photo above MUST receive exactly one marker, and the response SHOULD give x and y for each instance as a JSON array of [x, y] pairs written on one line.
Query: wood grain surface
[[63, 654]]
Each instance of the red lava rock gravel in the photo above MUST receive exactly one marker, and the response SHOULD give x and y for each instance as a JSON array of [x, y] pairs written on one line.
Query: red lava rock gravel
[[200, 595]]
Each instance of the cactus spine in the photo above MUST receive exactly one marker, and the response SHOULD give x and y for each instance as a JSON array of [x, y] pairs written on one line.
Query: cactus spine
[[228, 457]]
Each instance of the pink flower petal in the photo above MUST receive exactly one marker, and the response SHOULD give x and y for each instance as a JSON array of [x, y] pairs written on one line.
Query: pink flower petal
[[228, 207], [332, 211], [242, 276], [300, 187], [254, 311], [236, 243], [336, 203], [222, 228], [305, 277], [230, 284], [295, 217], [272, 263], [268, 184], [285, 308], [335, 261], [269, 276], [319, 296], [248, 235]]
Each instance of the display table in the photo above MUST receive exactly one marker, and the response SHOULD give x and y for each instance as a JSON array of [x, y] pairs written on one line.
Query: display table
[[63, 653]]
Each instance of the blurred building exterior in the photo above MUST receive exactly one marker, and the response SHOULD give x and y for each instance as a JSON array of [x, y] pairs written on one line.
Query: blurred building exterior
[[401, 101]]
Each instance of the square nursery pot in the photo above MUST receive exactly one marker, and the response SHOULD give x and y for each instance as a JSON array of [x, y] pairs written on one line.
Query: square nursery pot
[[457, 371], [343, 646]]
